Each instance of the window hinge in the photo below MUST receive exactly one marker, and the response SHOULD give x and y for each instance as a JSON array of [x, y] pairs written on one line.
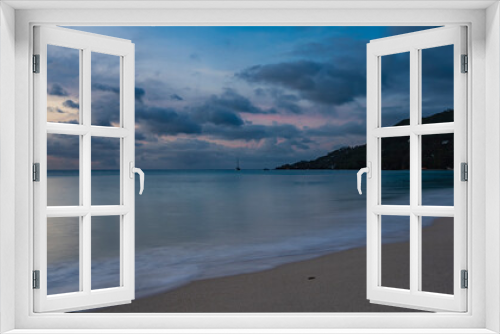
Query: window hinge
[[36, 279], [465, 279], [36, 63], [464, 170], [465, 64], [36, 172]]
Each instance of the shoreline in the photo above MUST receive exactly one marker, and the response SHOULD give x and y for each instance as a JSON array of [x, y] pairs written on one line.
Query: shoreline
[[335, 282]]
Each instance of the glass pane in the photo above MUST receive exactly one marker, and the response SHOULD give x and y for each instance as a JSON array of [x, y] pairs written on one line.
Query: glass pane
[[395, 171], [395, 251], [63, 84], [105, 252], [437, 169], [63, 255], [437, 255], [105, 89], [105, 171], [63, 169], [437, 84], [395, 93]]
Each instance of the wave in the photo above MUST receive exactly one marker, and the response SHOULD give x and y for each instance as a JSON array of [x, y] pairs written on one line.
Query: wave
[[164, 268]]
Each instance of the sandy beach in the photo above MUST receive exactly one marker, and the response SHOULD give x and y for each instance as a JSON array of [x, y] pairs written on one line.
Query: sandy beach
[[330, 283]]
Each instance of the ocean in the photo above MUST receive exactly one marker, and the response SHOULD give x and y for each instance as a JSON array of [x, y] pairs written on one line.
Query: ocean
[[197, 224]]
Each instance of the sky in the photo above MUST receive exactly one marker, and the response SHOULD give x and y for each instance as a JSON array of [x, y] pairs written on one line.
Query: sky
[[207, 96]]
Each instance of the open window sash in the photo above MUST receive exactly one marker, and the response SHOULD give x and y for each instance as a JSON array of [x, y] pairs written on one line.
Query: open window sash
[[85, 297], [415, 297]]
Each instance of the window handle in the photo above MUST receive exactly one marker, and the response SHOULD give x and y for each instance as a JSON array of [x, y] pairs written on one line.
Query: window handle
[[141, 175], [368, 171]]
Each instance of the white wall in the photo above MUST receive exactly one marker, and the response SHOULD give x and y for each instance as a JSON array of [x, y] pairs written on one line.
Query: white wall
[[492, 163], [7, 166]]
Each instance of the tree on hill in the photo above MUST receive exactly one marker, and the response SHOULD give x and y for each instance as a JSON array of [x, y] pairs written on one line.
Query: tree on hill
[[437, 151]]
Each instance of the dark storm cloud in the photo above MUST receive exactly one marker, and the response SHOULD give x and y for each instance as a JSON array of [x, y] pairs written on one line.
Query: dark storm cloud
[[250, 132], [195, 57], [259, 92], [224, 109], [210, 114], [139, 93], [194, 153], [63, 146], [437, 83], [396, 30], [231, 100], [314, 81], [139, 136], [344, 51], [286, 102], [176, 97], [57, 90], [437, 80], [105, 88], [57, 110], [71, 104], [166, 121], [297, 75], [105, 109], [336, 131], [105, 153]]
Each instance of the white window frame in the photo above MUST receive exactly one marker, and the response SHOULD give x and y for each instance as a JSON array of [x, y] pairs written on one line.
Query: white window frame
[[482, 19], [85, 44], [414, 43]]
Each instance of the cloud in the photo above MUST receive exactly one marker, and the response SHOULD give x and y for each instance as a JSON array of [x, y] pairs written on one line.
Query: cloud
[[71, 104], [337, 131], [397, 30], [57, 90], [105, 153], [210, 114], [176, 97], [286, 102], [231, 100], [105, 88], [314, 81], [260, 92], [224, 109], [166, 121], [253, 132], [194, 56], [62, 151], [139, 93], [55, 109]]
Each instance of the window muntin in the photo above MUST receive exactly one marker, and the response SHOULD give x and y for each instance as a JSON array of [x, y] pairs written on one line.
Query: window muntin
[[416, 129], [87, 288]]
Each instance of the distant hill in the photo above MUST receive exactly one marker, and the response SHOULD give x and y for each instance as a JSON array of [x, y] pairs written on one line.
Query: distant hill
[[437, 151]]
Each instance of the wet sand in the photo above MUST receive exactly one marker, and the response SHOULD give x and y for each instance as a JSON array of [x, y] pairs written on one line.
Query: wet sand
[[332, 283]]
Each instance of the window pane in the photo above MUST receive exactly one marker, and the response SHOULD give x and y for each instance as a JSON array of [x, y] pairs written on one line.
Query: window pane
[[105, 252], [437, 170], [63, 169], [395, 171], [437, 255], [105, 89], [395, 251], [395, 93], [63, 255], [63, 84], [105, 171], [437, 84]]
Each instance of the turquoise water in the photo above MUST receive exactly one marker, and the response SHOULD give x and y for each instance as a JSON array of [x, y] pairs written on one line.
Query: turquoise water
[[196, 224]]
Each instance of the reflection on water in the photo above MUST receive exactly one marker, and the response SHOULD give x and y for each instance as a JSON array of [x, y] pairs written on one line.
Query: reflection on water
[[207, 223]]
